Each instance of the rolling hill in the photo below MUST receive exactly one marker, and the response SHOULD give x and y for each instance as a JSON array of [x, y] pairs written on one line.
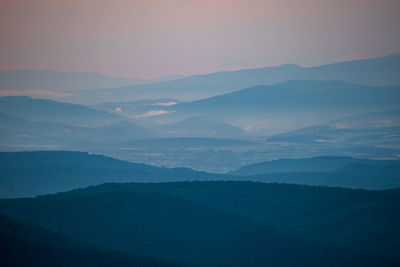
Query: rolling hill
[[316, 164], [297, 96], [332, 171], [289, 105], [27, 174], [225, 223], [23, 244], [44, 172], [20, 133], [53, 111]]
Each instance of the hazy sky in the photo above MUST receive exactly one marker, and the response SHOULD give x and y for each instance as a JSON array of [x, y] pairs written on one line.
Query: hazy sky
[[149, 38]]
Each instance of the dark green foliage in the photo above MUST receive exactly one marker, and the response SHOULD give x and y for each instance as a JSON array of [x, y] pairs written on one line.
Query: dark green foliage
[[226, 223], [23, 244]]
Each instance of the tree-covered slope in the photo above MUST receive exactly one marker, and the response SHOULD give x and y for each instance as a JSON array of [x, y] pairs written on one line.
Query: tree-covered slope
[[356, 219], [23, 244], [183, 223]]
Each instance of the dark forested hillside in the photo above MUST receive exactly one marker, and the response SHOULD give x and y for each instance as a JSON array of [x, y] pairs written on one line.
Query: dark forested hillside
[[226, 223], [23, 244]]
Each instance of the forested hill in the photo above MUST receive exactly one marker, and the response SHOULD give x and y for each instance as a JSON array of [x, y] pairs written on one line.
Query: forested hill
[[226, 223], [23, 244]]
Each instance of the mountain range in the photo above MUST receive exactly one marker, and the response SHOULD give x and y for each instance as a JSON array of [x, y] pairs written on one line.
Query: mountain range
[[47, 81], [382, 71]]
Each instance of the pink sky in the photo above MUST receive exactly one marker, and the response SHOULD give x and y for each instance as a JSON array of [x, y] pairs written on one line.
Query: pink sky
[[149, 38]]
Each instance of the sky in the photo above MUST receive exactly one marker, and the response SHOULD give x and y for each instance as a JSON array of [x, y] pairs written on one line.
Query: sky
[[150, 38]]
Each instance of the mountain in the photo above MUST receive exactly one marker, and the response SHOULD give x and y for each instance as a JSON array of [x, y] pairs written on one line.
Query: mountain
[[326, 171], [23, 244], [43, 172], [289, 105], [329, 171], [297, 96], [369, 120], [373, 72], [53, 111], [368, 135], [27, 174], [225, 223], [17, 133], [358, 178], [316, 164], [47, 81]]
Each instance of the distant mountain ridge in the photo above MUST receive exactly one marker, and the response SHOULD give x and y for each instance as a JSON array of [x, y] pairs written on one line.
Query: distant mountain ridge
[[289, 105], [297, 95], [54, 81], [381, 71]]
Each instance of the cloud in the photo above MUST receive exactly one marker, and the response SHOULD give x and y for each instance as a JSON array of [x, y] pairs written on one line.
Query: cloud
[[152, 113], [170, 103], [341, 126]]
